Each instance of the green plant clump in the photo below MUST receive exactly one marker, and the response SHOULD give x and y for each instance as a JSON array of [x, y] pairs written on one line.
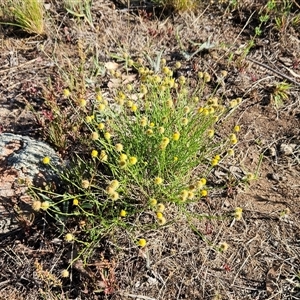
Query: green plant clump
[[148, 147]]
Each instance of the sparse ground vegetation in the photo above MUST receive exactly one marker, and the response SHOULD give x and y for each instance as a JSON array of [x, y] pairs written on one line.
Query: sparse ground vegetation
[[177, 123]]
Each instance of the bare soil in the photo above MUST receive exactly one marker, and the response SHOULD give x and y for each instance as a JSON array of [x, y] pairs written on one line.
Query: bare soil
[[263, 258]]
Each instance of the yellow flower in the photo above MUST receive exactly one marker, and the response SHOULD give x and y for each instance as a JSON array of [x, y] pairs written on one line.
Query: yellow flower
[[159, 215], [94, 153], [132, 160], [114, 184], [149, 132], [210, 133], [204, 193], [186, 109], [123, 157], [143, 89], [230, 152], [200, 75], [46, 160], [45, 205], [250, 176], [238, 213], [142, 242], [94, 136], [129, 87], [181, 80], [151, 124], [217, 157], [175, 158], [134, 108], [69, 237], [123, 213], [170, 103], [206, 77], [82, 102], [178, 64], [36, 205], [205, 112], [201, 183], [184, 121], [223, 246], [233, 141], [103, 156], [64, 273], [121, 95], [191, 195], [75, 202], [153, 202], [161, 221], [107, 136], [164, 143], [143, 121], [101, 126], [160, 207], [114, 196], [239, 100], [158, 180], [236, 128], [85, 184], [195, 99], [99, 97], [233, 103], [161, 130], [66, 92], [184, 195], [166, 70], [224, 73], [119, 147], [176, 136], [101, 107], [129, 104], [214, 162], [88, 119]]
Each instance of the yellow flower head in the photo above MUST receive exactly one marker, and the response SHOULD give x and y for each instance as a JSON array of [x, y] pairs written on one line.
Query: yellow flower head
[[85, 184], [184, 121], [65, 273], [132, 160], [181, 80], [103, 156], [123, 157], [178, 64], [46, 160], [210, 133], [161, 221], [88, 119], [82, 102], [69, 237], [230, 152], [99, 97], [233, 103], [142, 242], [66, 92], [45, 205], [134, 108], [159, 215], [36, 205], [236, 128], [175, 158], [186, 109], [224, 73], [238, 211], [170, 103], [75, 202], [233, 141], [158, 180], [107, 136], [250, 176], [153, 202], [191, 195], [161, 130], [129, 103], [149, 132], [94, 136], [176, 136], [119, 147], [164, 143], [166, 70], [123, 213], [204, 193], [223, 246], [214, 162], [184, 195], [114, 184], [206, 77], [160, 207], [101, 107], [143, 121], [201, 182], [114, 196], [94, 153], [101, 126]]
